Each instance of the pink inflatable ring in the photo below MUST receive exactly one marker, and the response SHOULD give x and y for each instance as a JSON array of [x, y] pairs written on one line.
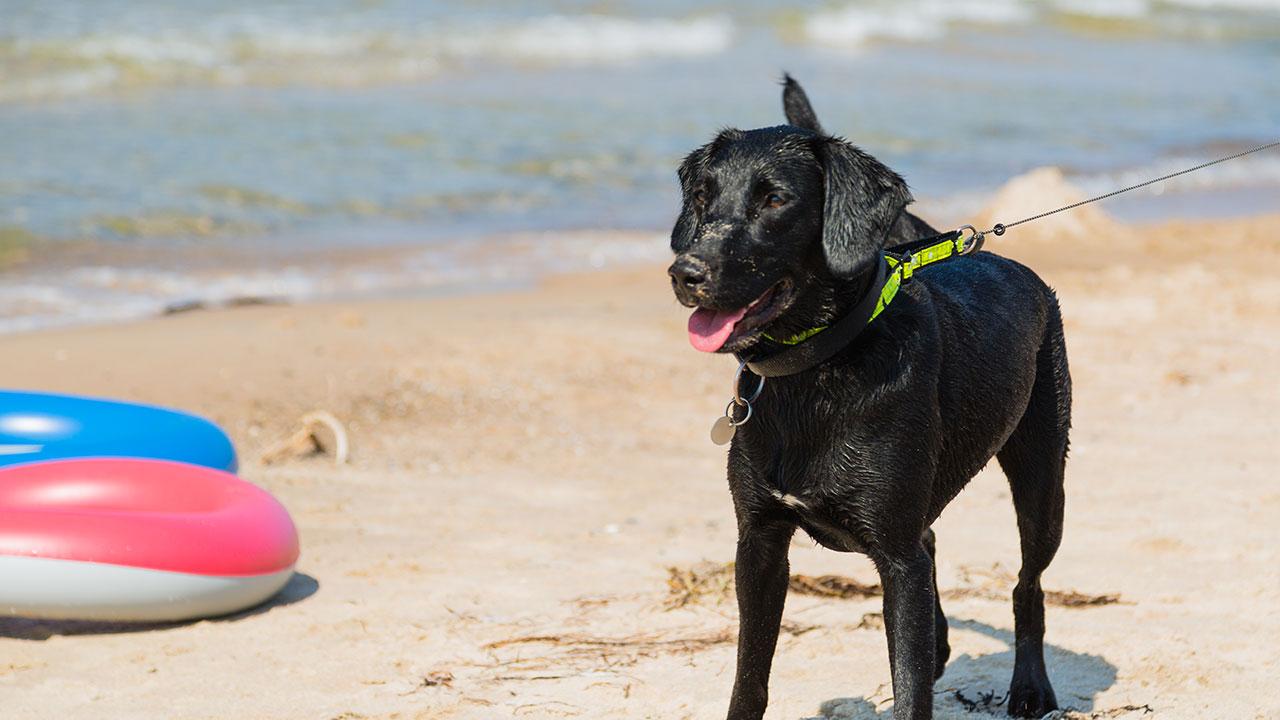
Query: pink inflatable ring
[[138, 540]]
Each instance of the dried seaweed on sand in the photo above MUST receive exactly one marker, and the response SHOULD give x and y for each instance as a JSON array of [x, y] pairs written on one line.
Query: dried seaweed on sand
[[713, 582]]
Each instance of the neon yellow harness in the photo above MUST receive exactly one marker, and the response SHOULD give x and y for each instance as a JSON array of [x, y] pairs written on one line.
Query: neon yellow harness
[[901, 269]]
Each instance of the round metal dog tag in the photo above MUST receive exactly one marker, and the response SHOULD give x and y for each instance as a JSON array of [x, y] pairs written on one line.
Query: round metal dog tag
[[722, 432]]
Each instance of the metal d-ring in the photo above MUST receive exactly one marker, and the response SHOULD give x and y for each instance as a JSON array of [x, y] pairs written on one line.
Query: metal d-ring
[[737, 396], [973, 243]]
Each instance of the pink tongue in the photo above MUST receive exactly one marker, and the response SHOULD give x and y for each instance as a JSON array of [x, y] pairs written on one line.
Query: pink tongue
[[709, 329]]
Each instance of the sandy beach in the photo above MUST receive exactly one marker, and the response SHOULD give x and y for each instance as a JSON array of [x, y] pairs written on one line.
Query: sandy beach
[[533, 521], [442, 227]]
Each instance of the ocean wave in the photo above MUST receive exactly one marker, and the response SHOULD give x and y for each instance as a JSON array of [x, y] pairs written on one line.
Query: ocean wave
[[1107, 9], [249, 50], [853, 25], [1249, 176], [1262, 169], [53, 57], [103, 293], [1204, 19], [599, 37], [1240, 5]]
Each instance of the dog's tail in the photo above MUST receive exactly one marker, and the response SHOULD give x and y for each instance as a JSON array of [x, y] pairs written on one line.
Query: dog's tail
[[1051, 361]]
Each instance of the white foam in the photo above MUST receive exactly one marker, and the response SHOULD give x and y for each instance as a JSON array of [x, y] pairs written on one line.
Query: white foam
[[1245, 5], [142, 49], [853, 25], [1126, 9], [597, 37], [105, 293], [1250, 171], [1258, 173], [248, 49]]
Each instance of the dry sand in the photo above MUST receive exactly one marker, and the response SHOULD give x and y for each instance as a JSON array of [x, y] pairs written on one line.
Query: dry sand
[[527, 466]]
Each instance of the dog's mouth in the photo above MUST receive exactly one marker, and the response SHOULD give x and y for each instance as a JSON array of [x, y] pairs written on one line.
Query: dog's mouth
[[710, 330]]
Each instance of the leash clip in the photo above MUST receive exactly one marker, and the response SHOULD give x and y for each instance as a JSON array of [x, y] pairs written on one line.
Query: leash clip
[[973, 243]]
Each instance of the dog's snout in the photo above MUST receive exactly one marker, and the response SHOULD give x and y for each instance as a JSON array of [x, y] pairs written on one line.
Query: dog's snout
[[688, 272]]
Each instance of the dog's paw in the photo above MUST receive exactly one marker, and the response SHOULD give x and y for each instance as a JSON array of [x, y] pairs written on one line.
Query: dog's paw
[[1031, 699]]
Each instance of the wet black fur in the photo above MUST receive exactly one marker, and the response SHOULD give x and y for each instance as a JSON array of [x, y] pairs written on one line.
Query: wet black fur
[[864, 451]]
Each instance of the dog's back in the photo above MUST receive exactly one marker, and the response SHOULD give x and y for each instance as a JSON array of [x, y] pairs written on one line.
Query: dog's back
[[1001, 332]]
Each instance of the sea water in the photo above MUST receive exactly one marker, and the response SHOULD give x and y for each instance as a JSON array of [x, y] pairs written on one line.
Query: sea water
[[154, 153]]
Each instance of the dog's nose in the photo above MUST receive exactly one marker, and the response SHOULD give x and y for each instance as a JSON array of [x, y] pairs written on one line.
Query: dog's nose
[[688, 272]]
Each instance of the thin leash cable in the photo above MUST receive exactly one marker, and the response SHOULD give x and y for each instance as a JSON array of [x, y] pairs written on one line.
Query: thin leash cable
[[999, 228]]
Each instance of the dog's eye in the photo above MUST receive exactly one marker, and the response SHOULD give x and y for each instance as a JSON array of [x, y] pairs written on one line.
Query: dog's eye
[[774, 200], [700, 197]]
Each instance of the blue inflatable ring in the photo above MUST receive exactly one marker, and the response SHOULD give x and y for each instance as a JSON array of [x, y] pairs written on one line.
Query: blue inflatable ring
[[35, 427]]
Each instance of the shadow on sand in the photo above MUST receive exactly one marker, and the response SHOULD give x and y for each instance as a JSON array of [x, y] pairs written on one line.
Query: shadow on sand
[[300, 587], [1077, 678]]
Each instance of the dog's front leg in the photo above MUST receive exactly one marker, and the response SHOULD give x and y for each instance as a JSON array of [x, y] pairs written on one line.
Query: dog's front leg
[[762, 574], [909, 623]]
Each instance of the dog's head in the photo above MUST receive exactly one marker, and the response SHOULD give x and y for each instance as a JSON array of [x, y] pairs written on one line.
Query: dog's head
[[772, 220]]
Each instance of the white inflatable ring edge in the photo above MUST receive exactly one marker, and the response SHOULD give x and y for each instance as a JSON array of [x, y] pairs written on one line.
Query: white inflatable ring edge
[[59, 589]]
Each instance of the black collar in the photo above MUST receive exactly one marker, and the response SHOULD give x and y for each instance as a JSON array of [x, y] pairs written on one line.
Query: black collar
[[822, 346]]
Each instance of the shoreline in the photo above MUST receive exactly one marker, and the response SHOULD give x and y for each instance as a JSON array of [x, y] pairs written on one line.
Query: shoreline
[[113, 294], [128, 283]]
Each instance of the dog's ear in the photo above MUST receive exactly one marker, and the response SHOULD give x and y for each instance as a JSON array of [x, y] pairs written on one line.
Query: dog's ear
[[863, 200], [795, 103]]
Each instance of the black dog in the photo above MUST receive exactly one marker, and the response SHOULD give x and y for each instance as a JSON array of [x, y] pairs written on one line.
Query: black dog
[[783, 231]]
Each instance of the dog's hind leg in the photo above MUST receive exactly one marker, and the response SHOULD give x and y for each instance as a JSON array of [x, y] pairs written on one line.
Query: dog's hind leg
[[1033, 459], [939, 620]]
